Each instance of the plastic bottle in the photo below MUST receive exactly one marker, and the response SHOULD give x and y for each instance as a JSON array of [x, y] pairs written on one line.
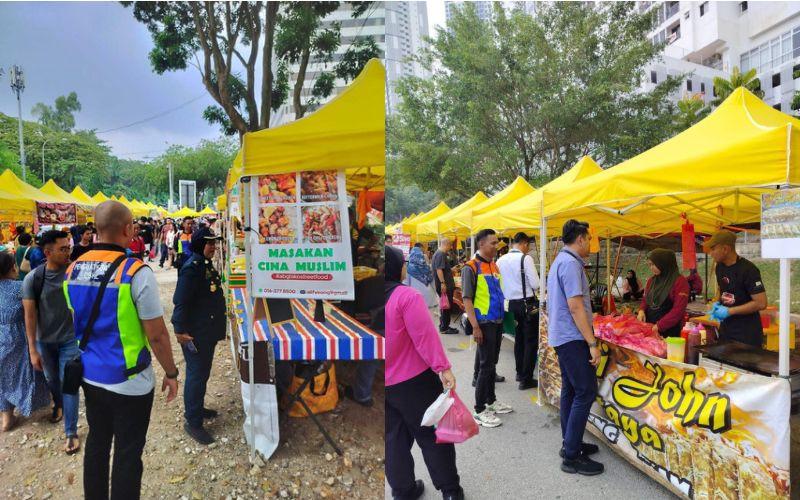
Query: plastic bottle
[[692, 356]]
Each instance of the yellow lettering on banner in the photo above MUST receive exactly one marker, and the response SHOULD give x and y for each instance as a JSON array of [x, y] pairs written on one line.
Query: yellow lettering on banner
[[670, 395], [630, 428], [692, 401], [716, 414], [601, 366], [613, 414], [651, 437]]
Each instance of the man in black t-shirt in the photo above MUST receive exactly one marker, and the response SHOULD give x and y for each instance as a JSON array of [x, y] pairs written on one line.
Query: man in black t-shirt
[[444, 282], [740, 291]]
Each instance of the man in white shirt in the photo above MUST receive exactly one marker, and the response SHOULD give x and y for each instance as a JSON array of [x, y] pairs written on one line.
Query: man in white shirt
[[520, 282]]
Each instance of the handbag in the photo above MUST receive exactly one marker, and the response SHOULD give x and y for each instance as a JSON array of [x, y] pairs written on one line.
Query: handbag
[[73, 370], [321, 394], [25, 265], [531, 306]]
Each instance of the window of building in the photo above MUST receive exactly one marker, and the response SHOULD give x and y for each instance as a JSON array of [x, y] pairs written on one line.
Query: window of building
[[674, 33], [713, 91], [686, 14], [703, 8], [689, 85], [702, 87], [742, 6], [776, 80], [653, 77], [777, 106], [795, 71]]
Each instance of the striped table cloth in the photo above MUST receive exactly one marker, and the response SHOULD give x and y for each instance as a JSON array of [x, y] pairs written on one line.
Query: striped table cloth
[[339, 338]]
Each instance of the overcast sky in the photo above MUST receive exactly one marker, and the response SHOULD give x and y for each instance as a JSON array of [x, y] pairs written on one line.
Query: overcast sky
[[436, 16], [99, 51]]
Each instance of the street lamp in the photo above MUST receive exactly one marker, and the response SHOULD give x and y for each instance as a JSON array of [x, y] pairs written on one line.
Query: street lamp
[[18, 86], [43, 143]]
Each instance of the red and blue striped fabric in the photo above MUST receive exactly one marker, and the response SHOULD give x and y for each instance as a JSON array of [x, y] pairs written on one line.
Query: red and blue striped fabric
[[339, 338]]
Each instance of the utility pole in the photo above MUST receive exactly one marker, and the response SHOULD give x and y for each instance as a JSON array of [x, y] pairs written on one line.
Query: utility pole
[[171, 204], [18, 86]]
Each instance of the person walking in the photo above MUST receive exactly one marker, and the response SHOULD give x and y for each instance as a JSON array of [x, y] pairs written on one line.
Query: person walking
[[167, 242], [84, 244], [417, 371], [481, 289], [49, 329], [22, 255], [570, 334], [21, 386], [199, 323], [520, 282], [444, 283], [183, 243], [118, 376], [420, 278], [666, 294], [136, 245]]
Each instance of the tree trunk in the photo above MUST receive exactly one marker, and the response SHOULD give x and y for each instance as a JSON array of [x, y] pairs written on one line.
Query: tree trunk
[[299, 109], [267, 77]]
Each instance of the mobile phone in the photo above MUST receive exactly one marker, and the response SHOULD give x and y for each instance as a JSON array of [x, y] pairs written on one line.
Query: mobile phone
[[192, 348]]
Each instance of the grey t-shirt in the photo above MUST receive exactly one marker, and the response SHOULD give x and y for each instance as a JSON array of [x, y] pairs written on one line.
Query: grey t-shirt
[[54, 322], [440, 261], [144, 291]]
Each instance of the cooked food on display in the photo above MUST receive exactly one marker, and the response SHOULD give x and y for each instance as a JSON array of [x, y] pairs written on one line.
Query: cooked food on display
[[278, 188], [275, 226], [319, 185], [321, 224]]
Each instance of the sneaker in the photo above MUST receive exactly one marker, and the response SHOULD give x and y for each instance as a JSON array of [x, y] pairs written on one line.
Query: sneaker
[[199, 434], [586, 449], [582, 465], [499, 408], [528, 384], [449, 331], [487, 418], [419, 489]]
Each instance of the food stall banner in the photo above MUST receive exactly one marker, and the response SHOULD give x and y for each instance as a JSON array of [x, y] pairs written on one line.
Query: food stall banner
[[780, 224], [56, 213], [701, 432], [301, 248], [402, 241]]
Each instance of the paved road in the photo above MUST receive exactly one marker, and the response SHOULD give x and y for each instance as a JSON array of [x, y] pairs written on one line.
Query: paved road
[[520, 458]]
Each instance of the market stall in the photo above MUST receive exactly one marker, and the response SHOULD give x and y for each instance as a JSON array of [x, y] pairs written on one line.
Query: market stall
[[35, 207], [290, 273], [83, 209], [718, 429]]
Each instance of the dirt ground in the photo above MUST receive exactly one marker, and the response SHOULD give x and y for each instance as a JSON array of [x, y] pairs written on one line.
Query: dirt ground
[[34, 466]]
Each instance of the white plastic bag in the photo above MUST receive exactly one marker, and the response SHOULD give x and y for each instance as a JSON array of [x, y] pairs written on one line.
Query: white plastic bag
[[437, 409]]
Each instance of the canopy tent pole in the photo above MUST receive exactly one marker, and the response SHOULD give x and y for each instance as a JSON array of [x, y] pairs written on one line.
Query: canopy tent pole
[[784, 304], [608, 273], [245, 197]]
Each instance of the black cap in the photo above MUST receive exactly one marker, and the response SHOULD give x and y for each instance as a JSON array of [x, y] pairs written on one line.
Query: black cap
[[201, 237]]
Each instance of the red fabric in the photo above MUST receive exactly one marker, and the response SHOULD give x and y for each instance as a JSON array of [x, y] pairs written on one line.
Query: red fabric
[[695, 282], [362, 207], [457, 425], [679, 295], [136, 245], [688, 246]]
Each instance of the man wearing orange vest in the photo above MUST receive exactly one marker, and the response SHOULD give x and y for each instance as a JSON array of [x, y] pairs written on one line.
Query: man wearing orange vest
[[183, 243]]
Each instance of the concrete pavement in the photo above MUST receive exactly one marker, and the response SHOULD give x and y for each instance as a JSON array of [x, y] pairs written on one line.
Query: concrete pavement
[[520, 459]]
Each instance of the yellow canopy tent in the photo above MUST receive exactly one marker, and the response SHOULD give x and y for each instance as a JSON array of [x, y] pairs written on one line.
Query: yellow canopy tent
[[410, 226], [222, 202], [715, 172], [347, 132], [445, 223], [50, 187], [207, 211], [184, 212], [79, 194], [100, 197], [114, 197], [14, 206], [526, 212], [12, 184]]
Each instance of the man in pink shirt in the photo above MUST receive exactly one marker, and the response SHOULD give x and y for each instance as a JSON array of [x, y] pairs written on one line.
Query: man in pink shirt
[[417, 370]]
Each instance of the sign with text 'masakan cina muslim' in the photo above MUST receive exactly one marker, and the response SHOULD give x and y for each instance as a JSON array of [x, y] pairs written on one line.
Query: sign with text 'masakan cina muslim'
[[301, 248]]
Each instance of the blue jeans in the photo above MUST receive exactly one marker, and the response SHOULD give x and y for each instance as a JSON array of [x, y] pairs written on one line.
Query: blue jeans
[[365, 374], [54, 358], [578, 390], [198, 369]]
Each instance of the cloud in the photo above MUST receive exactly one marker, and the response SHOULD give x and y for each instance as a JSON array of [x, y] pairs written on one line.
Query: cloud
[[146, 142]]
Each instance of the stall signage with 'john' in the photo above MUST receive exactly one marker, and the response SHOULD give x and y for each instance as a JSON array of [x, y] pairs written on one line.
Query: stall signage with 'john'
[[301, 247]]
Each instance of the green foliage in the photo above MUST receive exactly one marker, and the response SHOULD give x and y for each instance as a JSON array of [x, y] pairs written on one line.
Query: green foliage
[[8, 158], [690, 111], [354, 60], [724, 87], [403, 200], [528, 95], [60, 117]]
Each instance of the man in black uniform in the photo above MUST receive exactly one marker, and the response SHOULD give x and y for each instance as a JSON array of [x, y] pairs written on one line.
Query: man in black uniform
[[740, 291], [199, 323]]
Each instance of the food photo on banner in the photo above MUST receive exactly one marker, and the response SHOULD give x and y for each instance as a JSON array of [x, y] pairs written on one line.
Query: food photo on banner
[[56, 213], [300, 248]]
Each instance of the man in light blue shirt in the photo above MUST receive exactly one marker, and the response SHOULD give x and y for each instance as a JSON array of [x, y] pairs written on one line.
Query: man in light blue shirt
[[570, 333]]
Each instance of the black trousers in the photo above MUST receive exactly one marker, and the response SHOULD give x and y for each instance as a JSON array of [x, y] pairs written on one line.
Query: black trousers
[[123, 419], [477, 366], [487, 356], [406, 402], [444, 314], [526, 340], [198, 370]]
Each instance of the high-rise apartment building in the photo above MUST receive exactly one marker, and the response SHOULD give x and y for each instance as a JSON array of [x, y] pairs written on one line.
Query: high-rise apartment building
[[707, 39], [406, 27], [372, 23], [482, 7]]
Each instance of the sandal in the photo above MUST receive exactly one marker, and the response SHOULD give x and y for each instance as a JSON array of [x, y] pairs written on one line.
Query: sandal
[[57, 415], [71, 448]]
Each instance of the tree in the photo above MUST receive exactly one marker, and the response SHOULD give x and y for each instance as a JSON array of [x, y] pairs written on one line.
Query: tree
[[232, 45], [724, 87], [403, 200], [302, 38], [8, 158], [523, 95], [690, 111], [61, 117]]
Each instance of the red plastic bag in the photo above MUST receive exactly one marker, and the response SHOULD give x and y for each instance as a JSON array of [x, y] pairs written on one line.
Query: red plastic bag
[[457, 425], [152, 252], [444, 304]]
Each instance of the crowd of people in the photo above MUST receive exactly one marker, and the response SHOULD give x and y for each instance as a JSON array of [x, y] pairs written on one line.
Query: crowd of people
[[81, 308]]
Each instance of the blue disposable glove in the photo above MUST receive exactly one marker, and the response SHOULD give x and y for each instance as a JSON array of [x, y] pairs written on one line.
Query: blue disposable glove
[[722, 313]]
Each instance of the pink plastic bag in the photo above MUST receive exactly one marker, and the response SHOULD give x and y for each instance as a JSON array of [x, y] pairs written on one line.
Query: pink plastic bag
[[444, 304], [457, 425]]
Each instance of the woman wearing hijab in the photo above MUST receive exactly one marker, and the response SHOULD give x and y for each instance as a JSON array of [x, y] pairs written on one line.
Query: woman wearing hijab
[[417, 369], [420, 278], [665, 294], [632, 287]]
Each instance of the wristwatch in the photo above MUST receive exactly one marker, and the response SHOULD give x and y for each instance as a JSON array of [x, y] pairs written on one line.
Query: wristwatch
[[593, 344], [173, 376]]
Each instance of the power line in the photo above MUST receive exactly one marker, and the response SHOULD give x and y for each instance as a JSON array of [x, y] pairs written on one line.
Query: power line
[[159, 115]]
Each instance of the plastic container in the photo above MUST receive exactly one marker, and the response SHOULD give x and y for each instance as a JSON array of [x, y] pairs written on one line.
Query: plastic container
[[766, 319], [772, 337], [692, 343], [676, 349]]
